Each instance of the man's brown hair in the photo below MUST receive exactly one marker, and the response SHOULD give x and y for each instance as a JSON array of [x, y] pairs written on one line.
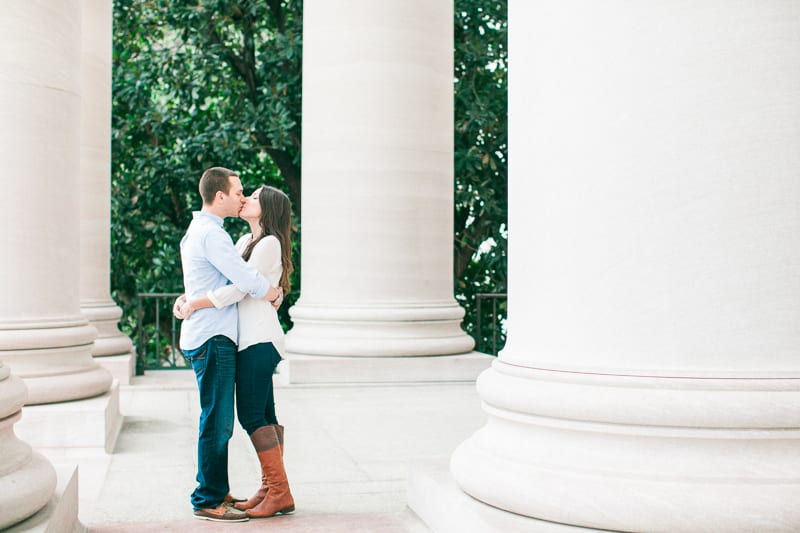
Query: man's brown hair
[[215, 180]]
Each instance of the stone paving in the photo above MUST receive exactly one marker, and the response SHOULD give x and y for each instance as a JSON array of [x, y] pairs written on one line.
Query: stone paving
[[349, 450]]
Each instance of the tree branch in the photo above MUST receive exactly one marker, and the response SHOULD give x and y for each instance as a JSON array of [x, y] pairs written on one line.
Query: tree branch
[[241, 65], [278, 14]]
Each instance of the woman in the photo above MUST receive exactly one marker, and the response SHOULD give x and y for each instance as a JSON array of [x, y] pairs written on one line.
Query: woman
[[267, 247]]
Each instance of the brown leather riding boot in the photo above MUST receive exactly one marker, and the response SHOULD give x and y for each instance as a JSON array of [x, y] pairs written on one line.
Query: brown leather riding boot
[[278, 498], [260, 439]]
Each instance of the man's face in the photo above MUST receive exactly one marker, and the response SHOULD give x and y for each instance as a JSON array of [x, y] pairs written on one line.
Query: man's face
[[233, 201]]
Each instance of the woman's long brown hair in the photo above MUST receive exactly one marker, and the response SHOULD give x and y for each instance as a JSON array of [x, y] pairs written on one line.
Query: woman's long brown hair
[[276, 219]]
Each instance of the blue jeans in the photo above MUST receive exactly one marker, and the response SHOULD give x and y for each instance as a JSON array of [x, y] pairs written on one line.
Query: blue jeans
[[255, 401], [214, 364]]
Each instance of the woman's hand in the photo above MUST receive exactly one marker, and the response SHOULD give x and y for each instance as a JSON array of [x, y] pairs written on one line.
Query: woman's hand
[[178, 308], [186, 310], [276, 303]]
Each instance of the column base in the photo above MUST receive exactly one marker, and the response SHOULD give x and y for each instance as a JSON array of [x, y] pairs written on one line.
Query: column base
[[26, 489], [90, 423], [104, 316], [60, 515], [297, 369], [629, 453], [54, 359], [441, 504], [112, 349], [378, 331]]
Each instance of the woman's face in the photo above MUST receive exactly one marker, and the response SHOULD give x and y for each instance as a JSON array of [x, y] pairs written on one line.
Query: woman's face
[[252, 208]]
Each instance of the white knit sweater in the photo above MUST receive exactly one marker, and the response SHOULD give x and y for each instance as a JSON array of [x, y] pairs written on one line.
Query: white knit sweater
[[258, 320]]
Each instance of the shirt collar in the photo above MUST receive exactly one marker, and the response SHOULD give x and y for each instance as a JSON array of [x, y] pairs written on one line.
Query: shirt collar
[[210, 216]]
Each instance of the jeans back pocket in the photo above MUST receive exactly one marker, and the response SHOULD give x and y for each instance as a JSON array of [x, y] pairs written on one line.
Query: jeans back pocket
[[196, 358]]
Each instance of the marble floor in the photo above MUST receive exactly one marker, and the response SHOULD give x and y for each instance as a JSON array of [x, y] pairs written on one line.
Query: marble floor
[[349, 452]]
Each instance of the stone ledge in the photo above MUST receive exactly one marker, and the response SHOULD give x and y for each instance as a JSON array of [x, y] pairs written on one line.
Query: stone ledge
[[444, 508], [89, 423]]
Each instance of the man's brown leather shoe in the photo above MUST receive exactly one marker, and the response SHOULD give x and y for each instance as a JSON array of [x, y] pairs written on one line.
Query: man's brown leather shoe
[[222, 513]]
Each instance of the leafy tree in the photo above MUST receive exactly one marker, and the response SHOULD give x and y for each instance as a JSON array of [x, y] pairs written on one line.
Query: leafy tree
[[198, 83], [481, 147]]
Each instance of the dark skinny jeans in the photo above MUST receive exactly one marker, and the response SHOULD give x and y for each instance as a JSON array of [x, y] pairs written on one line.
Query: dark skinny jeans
[[255, 399]]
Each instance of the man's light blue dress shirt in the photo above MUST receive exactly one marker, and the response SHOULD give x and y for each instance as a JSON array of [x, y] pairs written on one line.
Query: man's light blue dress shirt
[[210, 261]]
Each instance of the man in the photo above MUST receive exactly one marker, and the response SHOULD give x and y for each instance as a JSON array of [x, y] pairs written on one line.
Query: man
[[208, 336]]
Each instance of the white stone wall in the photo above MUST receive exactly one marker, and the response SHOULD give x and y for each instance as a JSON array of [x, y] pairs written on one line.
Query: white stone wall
[[377, 249], [43, 335], [114, 348], [651, 378]]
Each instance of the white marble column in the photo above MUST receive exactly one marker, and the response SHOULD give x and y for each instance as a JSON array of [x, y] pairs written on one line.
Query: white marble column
[[43, 335], [27, 479], [112, 348], [651, 379], [377, 266]]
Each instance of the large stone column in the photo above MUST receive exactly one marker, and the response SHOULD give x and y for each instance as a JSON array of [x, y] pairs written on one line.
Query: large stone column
[[651, 379], [111, 347], [27, 480], [377, 217], [43, 335]]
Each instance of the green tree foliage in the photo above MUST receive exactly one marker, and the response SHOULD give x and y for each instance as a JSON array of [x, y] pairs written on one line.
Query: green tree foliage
[[198, 83], [481, 148]]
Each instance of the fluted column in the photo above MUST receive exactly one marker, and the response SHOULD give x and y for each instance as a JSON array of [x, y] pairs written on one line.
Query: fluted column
[[651, 378], [27, 479], [95, 181], [377, 250], [42, 332]]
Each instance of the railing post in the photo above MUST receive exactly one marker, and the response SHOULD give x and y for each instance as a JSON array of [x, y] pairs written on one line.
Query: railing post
[[173, 346], [158, 330], [494, 329], [171, 361], [479, 335], [478, 322], [140, 363]]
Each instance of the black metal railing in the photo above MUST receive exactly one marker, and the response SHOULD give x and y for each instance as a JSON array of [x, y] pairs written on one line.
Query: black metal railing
[[491, 333], [157, 333], [157, 329]]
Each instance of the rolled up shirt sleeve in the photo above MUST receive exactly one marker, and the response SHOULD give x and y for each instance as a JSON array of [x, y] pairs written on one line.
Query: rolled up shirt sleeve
[[221, 253], [265, 257], [225, 296]]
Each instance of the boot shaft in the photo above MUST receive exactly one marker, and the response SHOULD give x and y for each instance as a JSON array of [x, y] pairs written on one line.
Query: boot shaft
[[278, 497]]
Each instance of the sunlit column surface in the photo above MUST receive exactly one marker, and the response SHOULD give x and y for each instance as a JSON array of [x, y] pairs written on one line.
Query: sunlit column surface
[[651, 379], [95, 183], [43, 335], [377, 241], [27, 479]]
